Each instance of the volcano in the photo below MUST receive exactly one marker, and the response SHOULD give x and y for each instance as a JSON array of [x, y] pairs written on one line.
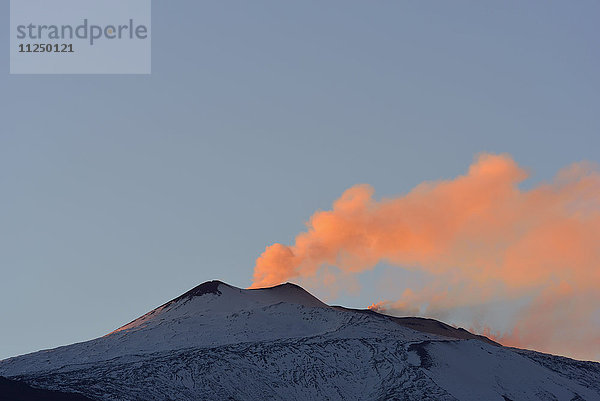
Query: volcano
[[220, 342]]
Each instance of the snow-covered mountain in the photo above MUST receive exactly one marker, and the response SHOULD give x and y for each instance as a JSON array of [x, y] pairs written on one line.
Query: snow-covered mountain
[[220, 342]]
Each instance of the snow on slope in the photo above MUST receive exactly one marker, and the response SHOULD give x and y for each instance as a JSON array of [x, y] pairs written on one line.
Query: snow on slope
[[220, 342], [493, 371]]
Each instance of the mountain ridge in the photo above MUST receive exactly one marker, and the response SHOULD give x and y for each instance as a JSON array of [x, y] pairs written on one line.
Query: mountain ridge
[[217, 341]]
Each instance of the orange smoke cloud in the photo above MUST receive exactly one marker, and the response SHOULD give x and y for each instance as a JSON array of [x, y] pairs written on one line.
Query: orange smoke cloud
[[481, 238]]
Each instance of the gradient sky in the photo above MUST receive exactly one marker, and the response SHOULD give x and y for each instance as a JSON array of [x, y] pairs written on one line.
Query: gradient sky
[[119, 193]]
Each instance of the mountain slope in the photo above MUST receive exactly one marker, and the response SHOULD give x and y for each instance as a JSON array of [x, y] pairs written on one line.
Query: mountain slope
[[221, 342]]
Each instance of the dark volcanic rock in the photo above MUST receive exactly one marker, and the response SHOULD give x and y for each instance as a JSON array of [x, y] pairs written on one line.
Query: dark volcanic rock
[[209, 287], [12, 390]]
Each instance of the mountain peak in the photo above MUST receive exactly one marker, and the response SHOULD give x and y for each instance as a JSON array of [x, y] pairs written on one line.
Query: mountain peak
[[215, 296], [286, 292], [208, 287]]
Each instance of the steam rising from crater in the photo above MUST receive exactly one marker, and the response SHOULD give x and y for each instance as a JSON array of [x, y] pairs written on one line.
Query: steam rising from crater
[[481, 239]]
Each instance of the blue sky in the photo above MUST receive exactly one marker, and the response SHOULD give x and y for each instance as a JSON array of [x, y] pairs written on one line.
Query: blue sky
[[119, 193]]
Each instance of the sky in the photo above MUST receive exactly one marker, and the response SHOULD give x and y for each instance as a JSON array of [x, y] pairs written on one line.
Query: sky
[[118, 193]]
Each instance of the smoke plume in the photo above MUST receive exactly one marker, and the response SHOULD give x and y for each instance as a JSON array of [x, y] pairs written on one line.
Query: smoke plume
[[482, 239]]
